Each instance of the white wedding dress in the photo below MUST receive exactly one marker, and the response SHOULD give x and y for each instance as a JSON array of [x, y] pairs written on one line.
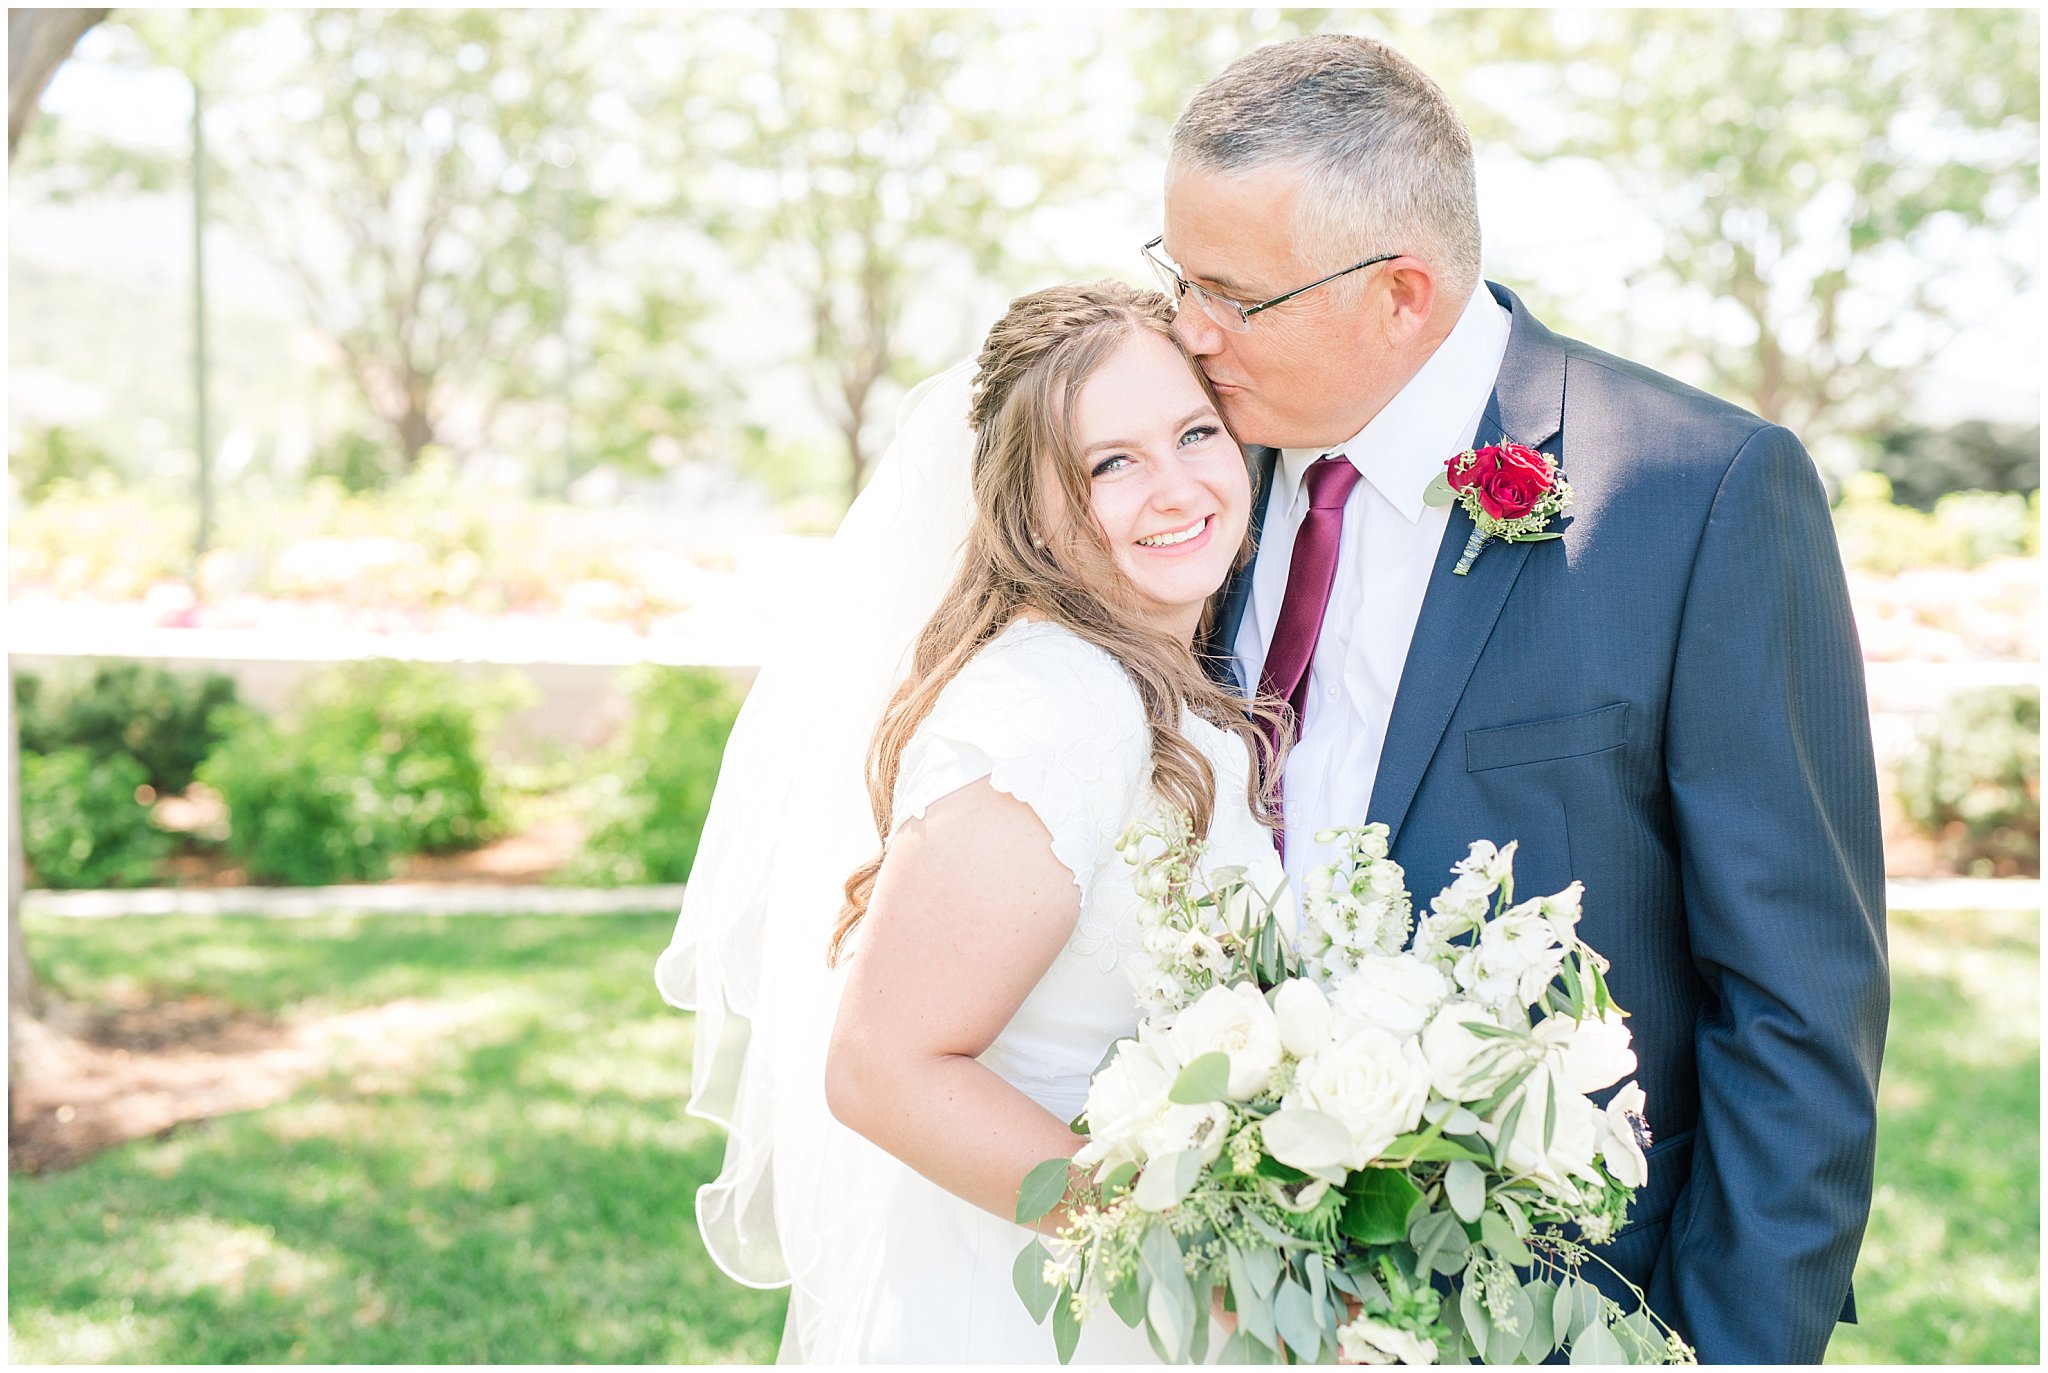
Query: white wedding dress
[[880, 1264], [1053, 720]]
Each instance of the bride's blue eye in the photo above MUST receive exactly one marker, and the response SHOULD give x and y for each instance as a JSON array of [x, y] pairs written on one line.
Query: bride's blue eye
[[1197, 434], [1107, 465]]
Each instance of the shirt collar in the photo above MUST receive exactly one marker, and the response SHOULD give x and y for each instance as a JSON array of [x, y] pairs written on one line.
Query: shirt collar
[[1435, 415]]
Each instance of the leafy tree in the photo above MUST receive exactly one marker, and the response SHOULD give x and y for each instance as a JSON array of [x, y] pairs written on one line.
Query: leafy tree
[[424, 177], [1925, 464], [1813, 173], [864, 150]]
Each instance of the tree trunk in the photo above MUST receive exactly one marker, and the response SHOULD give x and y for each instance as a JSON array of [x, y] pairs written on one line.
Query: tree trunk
[[38, 41]]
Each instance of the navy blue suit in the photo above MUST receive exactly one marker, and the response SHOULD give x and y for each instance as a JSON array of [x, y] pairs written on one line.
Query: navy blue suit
[[1668, 703]]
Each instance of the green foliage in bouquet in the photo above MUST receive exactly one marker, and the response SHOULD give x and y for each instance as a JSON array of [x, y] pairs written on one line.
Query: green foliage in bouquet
[[654, 787], [1974, 781], [83, 823], [1363, 1142], [301, 813], [162, 719]]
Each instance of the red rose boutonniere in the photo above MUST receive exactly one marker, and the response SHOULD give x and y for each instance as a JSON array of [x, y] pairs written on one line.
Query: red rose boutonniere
[[1511, 491]]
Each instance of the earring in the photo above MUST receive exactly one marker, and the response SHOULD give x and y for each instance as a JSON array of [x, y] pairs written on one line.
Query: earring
[[1037, 541]]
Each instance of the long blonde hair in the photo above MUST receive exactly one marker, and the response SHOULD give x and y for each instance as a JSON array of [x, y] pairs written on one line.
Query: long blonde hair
[[1035, 546]]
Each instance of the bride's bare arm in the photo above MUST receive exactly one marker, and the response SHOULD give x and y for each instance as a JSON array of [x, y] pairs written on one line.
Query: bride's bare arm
[[969, 910]]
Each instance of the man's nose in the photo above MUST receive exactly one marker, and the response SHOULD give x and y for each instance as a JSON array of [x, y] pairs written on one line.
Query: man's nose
[[1196, 331]]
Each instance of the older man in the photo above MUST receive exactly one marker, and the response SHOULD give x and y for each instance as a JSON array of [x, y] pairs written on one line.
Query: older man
[[1666, 701]]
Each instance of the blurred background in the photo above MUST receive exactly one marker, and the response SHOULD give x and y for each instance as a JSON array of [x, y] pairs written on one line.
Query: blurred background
[[415, 419]]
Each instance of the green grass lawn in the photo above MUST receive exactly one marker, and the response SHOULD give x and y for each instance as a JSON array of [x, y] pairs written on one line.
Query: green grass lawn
[[520, 1189]]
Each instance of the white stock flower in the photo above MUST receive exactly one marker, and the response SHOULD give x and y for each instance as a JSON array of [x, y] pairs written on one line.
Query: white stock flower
[[1619, 1146], [1515, 959], [1199, 950], [1370, 1083], [1464, 902], [1236, 1022], [1364, 1339], [1483, 860], [1573, 1134], [1396, 992], [1563, 908], [1592, 1053], [1464, 1066], [1302, 1015]]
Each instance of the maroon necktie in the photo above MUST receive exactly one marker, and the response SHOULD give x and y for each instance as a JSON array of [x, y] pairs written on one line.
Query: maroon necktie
[[1309, 575]]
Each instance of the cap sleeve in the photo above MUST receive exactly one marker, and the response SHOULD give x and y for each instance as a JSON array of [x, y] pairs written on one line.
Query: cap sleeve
[[1050, 719]]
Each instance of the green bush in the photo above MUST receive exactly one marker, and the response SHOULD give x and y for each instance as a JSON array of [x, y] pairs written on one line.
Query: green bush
[[656, 783], [1965, 528], [1976, 455], [1974, 782], [416, 731], [161, 719], [83, 823], [380, 759], [301, 812]]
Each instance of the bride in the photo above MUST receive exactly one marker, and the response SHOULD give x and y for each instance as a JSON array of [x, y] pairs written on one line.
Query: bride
[[889, 1078]]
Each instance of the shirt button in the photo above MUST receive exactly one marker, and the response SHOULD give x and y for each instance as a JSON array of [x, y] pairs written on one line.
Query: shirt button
[[1330, 693]]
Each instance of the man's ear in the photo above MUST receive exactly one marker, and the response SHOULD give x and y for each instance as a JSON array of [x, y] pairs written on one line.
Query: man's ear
[[1406, 300]]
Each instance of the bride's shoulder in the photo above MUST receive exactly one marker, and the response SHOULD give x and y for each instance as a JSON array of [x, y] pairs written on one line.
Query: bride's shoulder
[[1045, 685]]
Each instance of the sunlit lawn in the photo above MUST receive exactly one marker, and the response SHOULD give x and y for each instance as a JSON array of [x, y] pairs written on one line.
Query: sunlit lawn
[[522, 1192], [523, 1195]]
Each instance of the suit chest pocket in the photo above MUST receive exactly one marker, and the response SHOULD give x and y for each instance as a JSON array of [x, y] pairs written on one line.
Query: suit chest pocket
[[1541, 741]]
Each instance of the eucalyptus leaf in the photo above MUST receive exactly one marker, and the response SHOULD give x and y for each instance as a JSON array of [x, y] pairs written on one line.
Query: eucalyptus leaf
[[1538, 537], [1562, 1305], [1498, 1234], [1425, 1149], [1539, 1340], [1549, 1110], [1318, 1288], [1169, 1310], [1378, 1206], [1295, 1316], [1042, 1189], [1596, 1344], [1472, 1311], [1120, 1176], [1504, 1345], [1128, 1301], [1507, 1132], [1438, 493], [1263, 1267], [1166, 1179], [1027, 1275], [1465, 1189], [1205, 1080], [1640, 1337], [1201, 1296], [1066, 1330]]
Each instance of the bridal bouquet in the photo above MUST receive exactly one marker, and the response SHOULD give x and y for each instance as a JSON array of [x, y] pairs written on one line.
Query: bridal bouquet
[[1363, 1140]]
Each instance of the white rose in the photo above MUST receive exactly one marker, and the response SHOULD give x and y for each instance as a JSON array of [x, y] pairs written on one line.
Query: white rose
[[1234, 1021], [1302, 1015], [1124, 1099], [1371, 1083], [1398, 993], [1464, 1066], [1363, 1339], [1619, 1146], [1592, 1053], [1573, 1134]]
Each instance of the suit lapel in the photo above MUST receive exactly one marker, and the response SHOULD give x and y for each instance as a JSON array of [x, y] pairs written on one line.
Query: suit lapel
[[1219, 654], [1459, 613]]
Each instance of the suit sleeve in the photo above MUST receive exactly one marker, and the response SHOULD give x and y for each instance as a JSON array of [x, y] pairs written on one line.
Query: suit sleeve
[[1774, 795]]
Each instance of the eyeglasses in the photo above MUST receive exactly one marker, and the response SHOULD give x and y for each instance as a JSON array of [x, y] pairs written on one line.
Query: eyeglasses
[[1224, 312]]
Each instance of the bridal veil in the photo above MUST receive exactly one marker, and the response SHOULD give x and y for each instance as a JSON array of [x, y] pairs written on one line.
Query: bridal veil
[[789, 821]]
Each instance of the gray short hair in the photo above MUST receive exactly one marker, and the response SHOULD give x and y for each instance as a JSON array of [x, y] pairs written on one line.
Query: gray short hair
[[1386, 161]]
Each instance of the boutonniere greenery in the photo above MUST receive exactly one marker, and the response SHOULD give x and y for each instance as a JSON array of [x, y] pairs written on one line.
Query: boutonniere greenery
[[1511, 491]]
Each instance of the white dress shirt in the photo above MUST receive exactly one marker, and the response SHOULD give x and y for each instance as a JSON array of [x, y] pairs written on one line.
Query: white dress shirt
[[1384, 557]]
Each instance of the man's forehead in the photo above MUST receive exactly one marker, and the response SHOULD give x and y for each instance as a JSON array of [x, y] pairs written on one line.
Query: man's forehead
[[1231, 231]]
